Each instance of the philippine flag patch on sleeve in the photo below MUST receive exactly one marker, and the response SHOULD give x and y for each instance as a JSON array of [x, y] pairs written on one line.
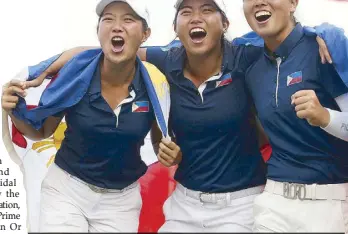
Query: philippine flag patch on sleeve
[[141, 106]]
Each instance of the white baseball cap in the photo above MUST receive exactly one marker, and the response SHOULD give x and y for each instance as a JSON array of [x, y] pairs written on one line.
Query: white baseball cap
[[138, 7], [219, 3]]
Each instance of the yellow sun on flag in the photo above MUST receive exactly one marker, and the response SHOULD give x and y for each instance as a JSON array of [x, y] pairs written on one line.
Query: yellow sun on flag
[[55, 141]]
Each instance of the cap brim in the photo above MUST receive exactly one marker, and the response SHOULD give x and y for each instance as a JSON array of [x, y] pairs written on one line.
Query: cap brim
[[140, 10], [220, 5], [104, 3]]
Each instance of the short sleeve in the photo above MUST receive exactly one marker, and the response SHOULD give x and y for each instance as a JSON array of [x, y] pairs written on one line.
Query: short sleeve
[[331, 81], [251, 54], [157, 56], [245, 56]]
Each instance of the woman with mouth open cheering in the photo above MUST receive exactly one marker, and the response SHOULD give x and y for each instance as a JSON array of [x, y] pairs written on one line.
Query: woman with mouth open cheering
[[93, 184], [302, 105]]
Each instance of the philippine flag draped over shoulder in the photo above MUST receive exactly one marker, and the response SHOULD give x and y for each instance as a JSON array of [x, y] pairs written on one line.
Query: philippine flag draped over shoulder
[[34, 158]]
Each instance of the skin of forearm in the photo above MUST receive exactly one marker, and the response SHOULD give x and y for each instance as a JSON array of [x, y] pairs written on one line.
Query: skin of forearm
[[65, 57], [27, 130]]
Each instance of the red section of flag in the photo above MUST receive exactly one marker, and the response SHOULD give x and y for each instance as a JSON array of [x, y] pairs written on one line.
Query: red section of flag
[[17, 137], [154, 193], [296, 80], [266, 152], [225, 82], [156, 186], [142, 109]]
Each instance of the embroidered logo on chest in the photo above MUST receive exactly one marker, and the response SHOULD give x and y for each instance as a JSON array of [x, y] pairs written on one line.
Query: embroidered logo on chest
[[294, 78], [224, 80], [141, 106]]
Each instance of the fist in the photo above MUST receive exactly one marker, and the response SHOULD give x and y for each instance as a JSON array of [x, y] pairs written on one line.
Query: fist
[[9, 98], [308, 107], [169, 153]]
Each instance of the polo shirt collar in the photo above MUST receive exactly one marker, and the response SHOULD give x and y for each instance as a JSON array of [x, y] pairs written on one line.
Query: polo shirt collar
[[179, 57], [284, 49]]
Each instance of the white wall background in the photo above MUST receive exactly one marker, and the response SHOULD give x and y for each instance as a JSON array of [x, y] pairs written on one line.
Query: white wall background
[[33, 30]]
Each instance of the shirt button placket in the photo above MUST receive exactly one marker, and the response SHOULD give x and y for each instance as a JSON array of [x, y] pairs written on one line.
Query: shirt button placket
[[273, 101]]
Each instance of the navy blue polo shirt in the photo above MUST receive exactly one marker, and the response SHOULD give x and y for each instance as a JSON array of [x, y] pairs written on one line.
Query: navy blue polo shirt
[[211, 124], [101, 145], [301, 153]]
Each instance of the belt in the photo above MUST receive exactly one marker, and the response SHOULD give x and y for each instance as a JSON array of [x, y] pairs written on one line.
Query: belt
[[219, 197], [97, 189], [308, 192]]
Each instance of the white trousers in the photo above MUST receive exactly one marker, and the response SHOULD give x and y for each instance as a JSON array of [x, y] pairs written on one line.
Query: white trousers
[[188, 211], [69, 205], [276, 213]]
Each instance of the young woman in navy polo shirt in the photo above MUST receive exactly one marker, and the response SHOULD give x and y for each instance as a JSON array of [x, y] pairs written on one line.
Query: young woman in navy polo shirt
[[92, 186], [222, 170], [303, 107]]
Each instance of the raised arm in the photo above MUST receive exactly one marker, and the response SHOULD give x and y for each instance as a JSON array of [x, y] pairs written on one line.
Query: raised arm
[[63, 59], [57, 65], [9, 101]]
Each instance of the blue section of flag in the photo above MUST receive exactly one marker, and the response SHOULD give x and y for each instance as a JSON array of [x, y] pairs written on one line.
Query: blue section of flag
[[294, 78], [250, 38], [37, 70], [296, 75], [141, 106], [224, 80], [226, 76], [65, 92], [172, 44], [337, 44], [142, 103]]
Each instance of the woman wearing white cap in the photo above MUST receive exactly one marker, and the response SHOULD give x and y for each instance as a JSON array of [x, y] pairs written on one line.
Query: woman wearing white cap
[[222, 170], [92, 186]]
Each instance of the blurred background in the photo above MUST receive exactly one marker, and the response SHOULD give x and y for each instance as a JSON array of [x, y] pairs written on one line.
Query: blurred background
[[32, 30]]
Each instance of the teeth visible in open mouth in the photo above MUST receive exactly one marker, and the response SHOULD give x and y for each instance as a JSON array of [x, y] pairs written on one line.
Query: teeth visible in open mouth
[[262, 16], [117, 44], [197, 30], [262, 13], [198, 35], [117, 39]]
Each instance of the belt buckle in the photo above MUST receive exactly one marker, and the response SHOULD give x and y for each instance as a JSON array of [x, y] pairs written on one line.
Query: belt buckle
[[294, 191], [200, 196], [97, 189]]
